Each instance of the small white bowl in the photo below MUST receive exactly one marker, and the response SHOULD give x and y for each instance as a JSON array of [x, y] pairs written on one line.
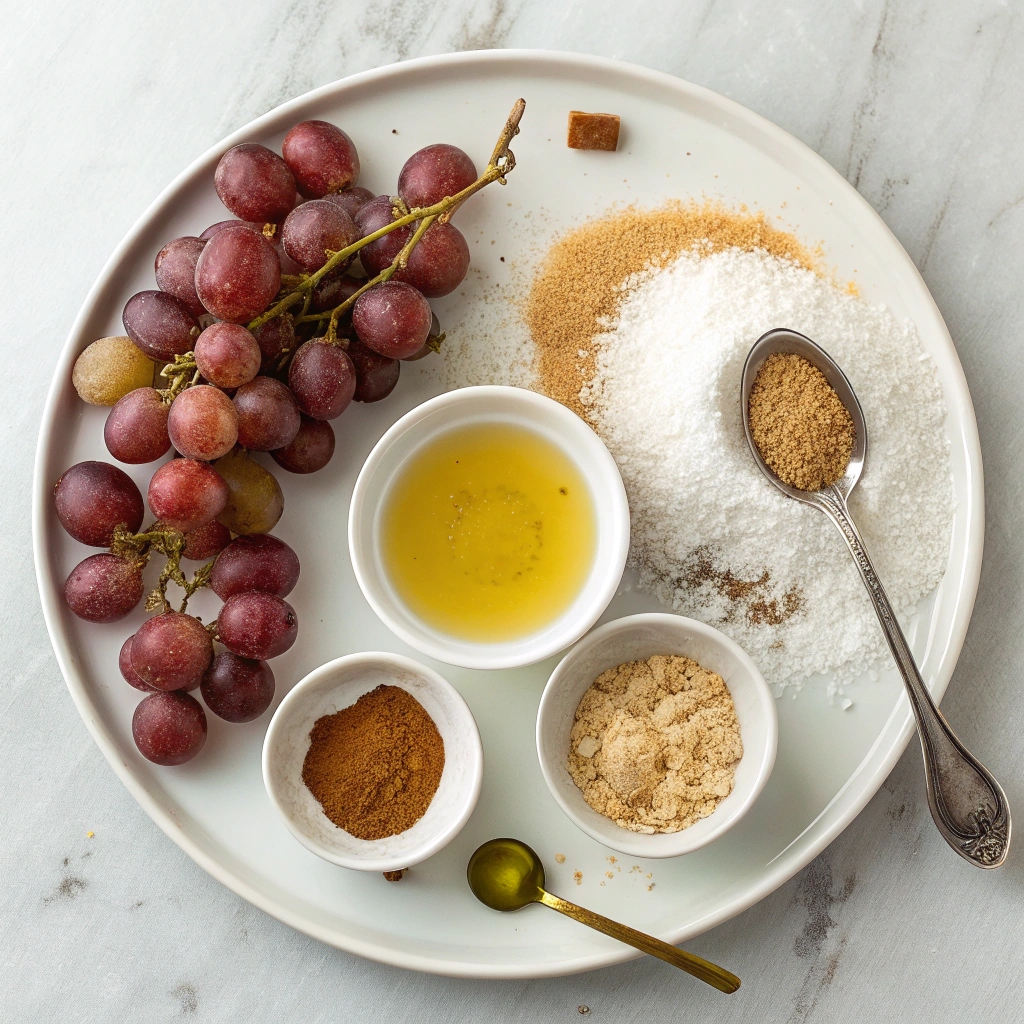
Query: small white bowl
[[337, 685], [634, 638], [490, 404]]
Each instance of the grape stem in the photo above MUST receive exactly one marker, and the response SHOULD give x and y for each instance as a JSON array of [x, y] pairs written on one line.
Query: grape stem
[[182, 373], [502, 162], [138, 547], [400, 262]]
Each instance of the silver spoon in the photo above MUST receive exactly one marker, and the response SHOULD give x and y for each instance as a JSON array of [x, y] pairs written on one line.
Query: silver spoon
[[968, 805]]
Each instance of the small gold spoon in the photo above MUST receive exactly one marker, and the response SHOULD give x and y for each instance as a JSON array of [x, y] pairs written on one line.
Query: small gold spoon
[[506, 874]]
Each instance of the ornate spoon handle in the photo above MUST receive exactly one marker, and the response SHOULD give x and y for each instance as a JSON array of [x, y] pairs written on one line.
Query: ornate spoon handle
[[968, 805], [717, 977]]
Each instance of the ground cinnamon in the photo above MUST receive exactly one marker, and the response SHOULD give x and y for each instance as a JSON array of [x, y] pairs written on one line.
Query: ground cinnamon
[[375, 766]]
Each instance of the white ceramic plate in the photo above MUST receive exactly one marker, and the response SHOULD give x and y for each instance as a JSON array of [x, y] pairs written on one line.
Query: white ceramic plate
[[677, 140]]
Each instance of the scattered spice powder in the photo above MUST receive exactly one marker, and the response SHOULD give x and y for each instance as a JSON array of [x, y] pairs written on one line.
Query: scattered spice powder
[[800, 426], [655, 744], [579, 284], [375, 766], [702, 571]]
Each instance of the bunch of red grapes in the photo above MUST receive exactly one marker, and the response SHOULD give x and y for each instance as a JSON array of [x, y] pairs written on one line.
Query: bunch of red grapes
[[263, 350]]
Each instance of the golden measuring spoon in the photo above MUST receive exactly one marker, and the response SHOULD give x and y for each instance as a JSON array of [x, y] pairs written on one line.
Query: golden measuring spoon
[[506, 874]]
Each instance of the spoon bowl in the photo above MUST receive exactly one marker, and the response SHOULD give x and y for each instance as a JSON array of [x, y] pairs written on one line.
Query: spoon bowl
[[789, 342], [968, 806], [506, 875]]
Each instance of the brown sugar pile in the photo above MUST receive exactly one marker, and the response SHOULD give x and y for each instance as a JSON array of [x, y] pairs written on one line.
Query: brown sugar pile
[[374, 767], [579, 284], [800, 426], [655, 744]]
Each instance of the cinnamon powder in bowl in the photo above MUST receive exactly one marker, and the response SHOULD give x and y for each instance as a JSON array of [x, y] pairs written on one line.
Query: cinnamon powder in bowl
[[374, 762]]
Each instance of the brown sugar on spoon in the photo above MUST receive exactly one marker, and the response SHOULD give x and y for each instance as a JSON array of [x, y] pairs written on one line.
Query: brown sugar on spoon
[[593, 131], [800, 426]]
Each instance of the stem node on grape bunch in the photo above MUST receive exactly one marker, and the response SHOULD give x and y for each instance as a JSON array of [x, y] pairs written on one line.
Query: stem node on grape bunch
[[182, 373], [171, 544], [501, 163]]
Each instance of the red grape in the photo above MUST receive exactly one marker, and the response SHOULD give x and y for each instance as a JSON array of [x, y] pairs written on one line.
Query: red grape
[[310, 450], [275, 338], [103, 588], [313, 228], [92, 498], [256, 625], [352, 200], [375, 215], [256, 562], [171, 651], [333, 289], [185, 494], [169, 728], [205, 541], [322, 158], [268, 416], [219, 226], [136, 427], [393, 319], [426, 350], [323, 380], [160, 325], [238, 274], [131, 677], [439, 263], [176, 271], [376, 375], [254, 183], [227, 355], [433, 173], [238, 689], [203, 424]]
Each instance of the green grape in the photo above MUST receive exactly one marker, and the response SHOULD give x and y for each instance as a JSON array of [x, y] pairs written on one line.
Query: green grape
[[109, 369], [255, 499]]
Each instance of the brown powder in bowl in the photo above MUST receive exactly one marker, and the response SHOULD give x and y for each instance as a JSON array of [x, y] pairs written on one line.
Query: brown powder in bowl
[[579, 283], [655, 744], [800, 426], [375, 766]]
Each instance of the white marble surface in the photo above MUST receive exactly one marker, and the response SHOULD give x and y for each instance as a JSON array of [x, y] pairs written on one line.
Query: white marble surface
[[919, 103]]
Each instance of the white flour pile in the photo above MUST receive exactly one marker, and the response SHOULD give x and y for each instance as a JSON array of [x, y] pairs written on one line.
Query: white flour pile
[[711, 536]]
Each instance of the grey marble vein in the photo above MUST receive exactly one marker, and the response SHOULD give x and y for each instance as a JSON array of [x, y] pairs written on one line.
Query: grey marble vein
[[918, 102]]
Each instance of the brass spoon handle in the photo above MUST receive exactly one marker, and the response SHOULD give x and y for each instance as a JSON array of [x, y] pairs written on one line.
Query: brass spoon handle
[[718, 977], [968, 805]]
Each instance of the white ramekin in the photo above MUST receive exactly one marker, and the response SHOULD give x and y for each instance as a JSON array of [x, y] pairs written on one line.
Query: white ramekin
[[485, 405], [635, 638], [337, 685]]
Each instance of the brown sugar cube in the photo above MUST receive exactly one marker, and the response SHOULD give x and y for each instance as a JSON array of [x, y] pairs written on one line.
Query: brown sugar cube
[[593, 131]]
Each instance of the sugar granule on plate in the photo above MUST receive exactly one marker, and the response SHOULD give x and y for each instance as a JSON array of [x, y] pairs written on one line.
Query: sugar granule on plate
[[655, 744], [710, 535]]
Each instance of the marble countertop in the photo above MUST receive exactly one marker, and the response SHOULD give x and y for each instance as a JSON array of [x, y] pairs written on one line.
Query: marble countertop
[[919, 103]]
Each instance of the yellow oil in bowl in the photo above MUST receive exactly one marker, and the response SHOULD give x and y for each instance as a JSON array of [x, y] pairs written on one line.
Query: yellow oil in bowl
[[488, 532]]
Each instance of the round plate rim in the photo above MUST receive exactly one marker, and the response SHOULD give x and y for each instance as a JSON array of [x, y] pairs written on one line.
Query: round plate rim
[[794, 857]]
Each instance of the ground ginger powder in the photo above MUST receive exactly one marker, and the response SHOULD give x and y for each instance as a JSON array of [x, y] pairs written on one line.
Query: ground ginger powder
[[655, 744]]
